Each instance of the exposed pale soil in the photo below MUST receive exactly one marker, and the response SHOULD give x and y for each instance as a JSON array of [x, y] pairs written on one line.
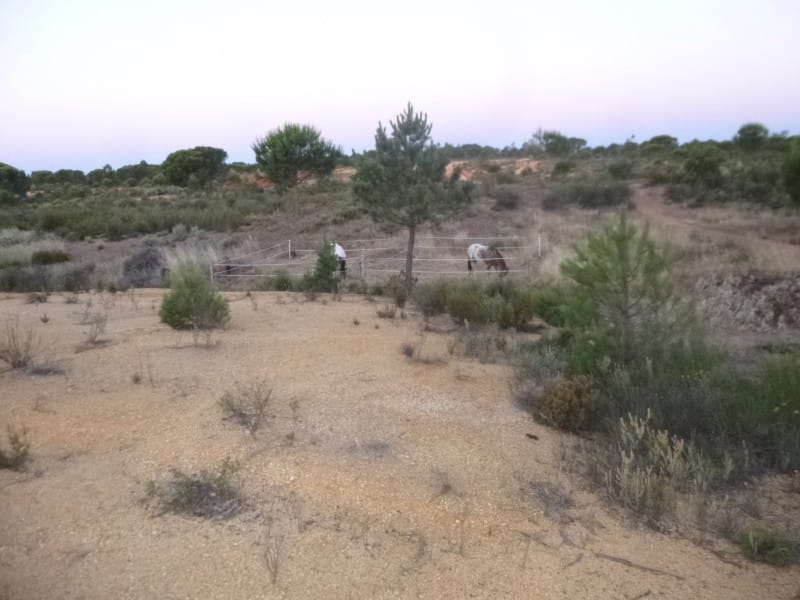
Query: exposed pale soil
[[379, 476]]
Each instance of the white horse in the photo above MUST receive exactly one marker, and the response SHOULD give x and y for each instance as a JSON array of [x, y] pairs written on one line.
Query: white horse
[[341, 256], [490, 256]]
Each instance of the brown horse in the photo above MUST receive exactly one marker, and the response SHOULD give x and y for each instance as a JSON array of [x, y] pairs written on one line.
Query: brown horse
[[490, 256]]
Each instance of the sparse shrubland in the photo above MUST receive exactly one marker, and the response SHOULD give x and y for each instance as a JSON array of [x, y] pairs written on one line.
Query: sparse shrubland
[[678, 418]]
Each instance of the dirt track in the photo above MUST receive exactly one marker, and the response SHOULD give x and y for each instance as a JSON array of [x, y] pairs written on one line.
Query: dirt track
[[378, 476]]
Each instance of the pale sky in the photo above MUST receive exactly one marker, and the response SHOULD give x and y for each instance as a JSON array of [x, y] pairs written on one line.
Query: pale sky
[[84, 83]]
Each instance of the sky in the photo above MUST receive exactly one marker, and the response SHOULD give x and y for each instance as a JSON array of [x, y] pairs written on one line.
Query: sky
[[85, 83]]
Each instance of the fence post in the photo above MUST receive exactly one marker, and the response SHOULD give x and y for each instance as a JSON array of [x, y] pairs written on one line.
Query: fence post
[[361, 266], [539, 245], [211, 272], [290, 249]]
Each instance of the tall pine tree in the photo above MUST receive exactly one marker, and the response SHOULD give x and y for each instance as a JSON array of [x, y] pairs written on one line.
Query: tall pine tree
[[404, 184]]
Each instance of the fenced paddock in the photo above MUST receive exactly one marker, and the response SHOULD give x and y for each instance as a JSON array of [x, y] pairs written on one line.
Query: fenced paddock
[[372, 260]]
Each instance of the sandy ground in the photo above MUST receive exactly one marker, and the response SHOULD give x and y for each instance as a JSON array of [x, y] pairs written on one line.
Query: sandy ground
[[376, 476]]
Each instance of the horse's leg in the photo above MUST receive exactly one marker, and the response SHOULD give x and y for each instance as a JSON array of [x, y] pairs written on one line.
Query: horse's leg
[[469, 265]]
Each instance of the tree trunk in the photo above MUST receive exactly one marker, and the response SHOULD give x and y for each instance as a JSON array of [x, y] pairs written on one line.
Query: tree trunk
[[410, 258]]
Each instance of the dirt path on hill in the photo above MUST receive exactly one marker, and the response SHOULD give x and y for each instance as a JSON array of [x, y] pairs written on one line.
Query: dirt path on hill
[[376, 476], [676, 220]]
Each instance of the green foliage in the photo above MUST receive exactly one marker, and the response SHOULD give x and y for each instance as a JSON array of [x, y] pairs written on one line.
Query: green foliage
[[556, 143], [623, 300], [546, 302], [506, 198], [193, 302], [325, 277], [766, 545], [404, 185], [396, 288], [209, 494], [621, 168], [468, 303], [702, 164], [762, 411], [587, 194], [562, 168], [431, 297], [14, 181], [751, 137], [281, 281], [196, 166], [660, 143], [49, 257], [294, 151], [503, 303], [790, 173], [569, 404]]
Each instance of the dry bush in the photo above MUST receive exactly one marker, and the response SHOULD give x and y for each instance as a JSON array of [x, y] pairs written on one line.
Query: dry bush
[[569, 404], [387, 312], [97, 326], [19, 449], [246, 405], [19, 346]]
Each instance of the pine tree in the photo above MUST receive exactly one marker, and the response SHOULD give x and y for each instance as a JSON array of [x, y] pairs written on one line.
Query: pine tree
[[404, 184]]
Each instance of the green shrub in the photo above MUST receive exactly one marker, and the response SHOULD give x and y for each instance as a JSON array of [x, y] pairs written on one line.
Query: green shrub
[[49, 257], [395, 287], [790, 173], [281, 281], [431, 297], [766, 545], [623, 306], [763, 412], [620, 168], [562, 168], [587, 194], [546, 302], [467, 302], [193, 302], [194, 167], [325, 277], [209, 494], [506, 198]]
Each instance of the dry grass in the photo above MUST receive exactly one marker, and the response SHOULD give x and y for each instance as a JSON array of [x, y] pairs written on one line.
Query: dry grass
[[19, 345]]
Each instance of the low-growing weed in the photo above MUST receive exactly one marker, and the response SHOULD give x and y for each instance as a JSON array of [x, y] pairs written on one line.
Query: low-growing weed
[[210, 494]]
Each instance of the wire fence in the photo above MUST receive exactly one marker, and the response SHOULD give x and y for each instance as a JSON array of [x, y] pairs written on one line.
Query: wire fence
[[434, 256]]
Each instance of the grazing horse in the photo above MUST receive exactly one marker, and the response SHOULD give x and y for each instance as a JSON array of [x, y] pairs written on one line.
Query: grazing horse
[[490, 256]]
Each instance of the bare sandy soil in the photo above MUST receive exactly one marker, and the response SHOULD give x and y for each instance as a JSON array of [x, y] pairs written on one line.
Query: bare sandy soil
[[376, 476]]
